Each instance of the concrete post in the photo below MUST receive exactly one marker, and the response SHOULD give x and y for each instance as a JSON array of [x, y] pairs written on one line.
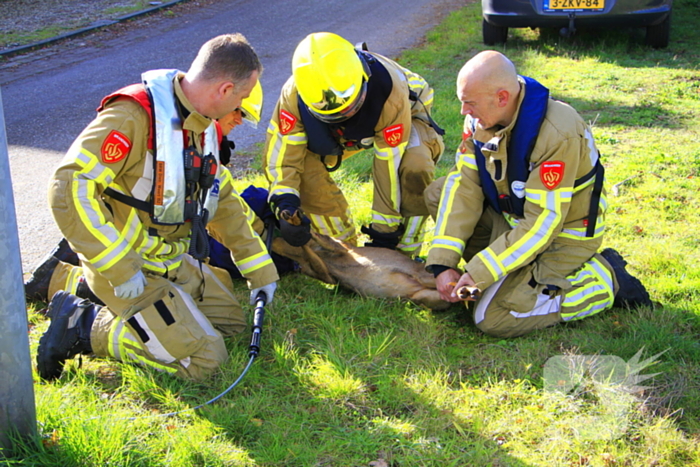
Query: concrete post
[[17, 409]]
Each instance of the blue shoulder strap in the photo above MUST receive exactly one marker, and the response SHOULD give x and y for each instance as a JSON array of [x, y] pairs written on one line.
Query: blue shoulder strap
[[522, 141]]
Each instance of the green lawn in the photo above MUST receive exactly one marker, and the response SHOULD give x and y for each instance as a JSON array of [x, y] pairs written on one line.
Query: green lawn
[[346, 381]]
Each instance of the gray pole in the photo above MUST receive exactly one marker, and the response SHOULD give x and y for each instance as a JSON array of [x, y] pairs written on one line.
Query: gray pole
[[17, 410]]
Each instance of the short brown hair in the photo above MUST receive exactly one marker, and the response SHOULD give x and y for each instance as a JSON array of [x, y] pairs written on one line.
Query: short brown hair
[[228, 56]]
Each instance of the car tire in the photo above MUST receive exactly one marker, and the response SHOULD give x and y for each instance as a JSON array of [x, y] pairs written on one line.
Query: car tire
[[493, 34], [658, 34]]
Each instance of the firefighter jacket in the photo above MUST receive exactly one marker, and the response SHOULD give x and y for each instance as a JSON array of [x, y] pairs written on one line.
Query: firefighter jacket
[[115, 151], [557, 193], [288, 143]]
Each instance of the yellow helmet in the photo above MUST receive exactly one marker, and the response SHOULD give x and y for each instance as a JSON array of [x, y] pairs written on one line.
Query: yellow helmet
[[330, 76], [251, 107]]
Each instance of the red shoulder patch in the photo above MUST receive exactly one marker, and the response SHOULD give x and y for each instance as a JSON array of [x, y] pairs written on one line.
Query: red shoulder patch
[[115, 147], [287, 122], [393, 135], [551, 174]]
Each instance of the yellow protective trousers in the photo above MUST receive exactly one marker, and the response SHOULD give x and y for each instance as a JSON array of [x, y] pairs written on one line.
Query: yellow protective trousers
[[327, 208], [522, 301], [514, 306], [176, 325], [65, 277]]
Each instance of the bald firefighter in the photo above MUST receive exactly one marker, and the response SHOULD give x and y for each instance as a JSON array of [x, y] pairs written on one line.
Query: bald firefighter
[[132, 196], [338, 101], [524, 207]]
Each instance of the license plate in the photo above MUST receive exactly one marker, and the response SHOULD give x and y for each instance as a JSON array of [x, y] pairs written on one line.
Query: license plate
[[559, 5]]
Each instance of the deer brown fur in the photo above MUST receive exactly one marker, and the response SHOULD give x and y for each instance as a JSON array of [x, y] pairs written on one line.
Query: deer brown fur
[[368, 271]]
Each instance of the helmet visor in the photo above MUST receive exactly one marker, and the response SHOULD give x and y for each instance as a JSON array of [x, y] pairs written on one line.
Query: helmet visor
[[248, 118], [333, 100]]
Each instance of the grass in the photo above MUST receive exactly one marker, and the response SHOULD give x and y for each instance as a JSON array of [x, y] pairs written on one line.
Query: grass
[[68, 21], [350, 381]]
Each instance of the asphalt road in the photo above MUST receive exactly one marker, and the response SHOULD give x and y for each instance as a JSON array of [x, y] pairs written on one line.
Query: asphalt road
[[50, 97]]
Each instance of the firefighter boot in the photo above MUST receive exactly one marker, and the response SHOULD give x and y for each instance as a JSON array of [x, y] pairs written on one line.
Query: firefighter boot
[[632, 293], [37, 287], [65, 253], [68, 334], [83, 290]]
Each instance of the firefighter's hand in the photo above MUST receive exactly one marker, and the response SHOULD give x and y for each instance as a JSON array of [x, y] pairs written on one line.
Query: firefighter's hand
[[445, 284], [131, 288], [295, 227], [269, 291], [388, 240]]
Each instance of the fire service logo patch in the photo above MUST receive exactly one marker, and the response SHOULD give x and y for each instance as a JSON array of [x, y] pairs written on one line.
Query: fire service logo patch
[[287, 122], [551, 174], [115, 147], [393, 135]]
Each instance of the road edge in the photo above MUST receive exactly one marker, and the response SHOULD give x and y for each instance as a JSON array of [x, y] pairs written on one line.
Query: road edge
[[91, 28]]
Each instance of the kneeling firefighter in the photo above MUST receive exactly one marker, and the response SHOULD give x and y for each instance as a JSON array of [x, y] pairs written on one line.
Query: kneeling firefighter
[[132, 197], [61, 270], [341, 100]]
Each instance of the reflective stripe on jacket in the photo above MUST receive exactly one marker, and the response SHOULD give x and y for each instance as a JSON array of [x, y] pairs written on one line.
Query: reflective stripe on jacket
[[287, 140], [555, 206], [117, 239]]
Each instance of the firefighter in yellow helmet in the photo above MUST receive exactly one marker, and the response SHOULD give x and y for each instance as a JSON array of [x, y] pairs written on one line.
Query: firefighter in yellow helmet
[[340, 100], [249, 111]]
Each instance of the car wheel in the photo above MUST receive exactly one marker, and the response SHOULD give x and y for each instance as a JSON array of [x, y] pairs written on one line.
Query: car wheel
[[658, 34], [494, 34]]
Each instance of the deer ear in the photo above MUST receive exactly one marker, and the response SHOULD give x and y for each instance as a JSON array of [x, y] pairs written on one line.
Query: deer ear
[[311, 264], [318, 266], [329, 244]]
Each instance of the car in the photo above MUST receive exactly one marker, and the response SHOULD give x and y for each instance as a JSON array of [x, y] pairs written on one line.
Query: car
[[567, 15]]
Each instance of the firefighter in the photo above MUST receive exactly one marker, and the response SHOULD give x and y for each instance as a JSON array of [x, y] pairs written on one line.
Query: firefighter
[[60, 270], [132, 197], [524, 206], [338, 101], [248, 112]]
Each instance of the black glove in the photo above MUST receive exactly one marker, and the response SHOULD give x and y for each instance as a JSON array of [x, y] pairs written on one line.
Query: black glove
[[286, 202], [383, 240], [225, 149], [295, 227]]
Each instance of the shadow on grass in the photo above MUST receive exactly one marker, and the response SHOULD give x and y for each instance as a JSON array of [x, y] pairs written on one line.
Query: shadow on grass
[[643, 115], [352, 426], [297, 418], [623, 46]]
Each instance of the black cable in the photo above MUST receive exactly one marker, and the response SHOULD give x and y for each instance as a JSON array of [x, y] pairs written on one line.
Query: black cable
[[253, 350], [258, 317], [235, 383]]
